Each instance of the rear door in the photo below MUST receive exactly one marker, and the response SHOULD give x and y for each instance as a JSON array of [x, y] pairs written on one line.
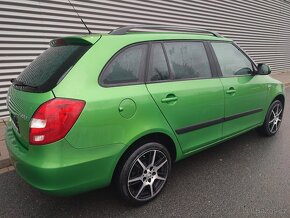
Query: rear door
[[245, 93], [182, 82]]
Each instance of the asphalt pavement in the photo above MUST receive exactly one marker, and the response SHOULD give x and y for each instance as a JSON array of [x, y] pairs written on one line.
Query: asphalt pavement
[[248, 176]]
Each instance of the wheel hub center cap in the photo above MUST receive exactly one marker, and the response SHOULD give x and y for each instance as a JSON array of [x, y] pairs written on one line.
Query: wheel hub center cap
[[149, 174]]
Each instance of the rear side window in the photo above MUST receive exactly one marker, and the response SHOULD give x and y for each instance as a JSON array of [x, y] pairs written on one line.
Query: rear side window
[[127, 67], [158, 69], [231, 60], [50, 67], [188, 60]]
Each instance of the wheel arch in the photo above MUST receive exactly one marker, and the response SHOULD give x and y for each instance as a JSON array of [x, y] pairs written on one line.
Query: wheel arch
[[279, 97], [264, 129], [159, 137]]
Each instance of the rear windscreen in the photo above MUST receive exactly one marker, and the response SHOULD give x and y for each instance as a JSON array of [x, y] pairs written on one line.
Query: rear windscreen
[[45, 72]]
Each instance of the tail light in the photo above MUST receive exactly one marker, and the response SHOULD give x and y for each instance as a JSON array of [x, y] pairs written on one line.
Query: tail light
[[53, 119]]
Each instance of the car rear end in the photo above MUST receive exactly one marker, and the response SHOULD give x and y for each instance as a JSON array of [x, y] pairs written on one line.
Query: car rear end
[[40, 121]]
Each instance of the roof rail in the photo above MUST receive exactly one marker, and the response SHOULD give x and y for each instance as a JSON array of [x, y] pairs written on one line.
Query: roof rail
[[125, 29]]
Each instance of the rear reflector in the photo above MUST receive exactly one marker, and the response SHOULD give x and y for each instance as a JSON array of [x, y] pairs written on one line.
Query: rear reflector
[[53, 120]]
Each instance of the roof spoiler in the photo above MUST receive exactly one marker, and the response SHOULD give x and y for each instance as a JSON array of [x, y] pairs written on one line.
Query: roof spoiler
[[69, 41]]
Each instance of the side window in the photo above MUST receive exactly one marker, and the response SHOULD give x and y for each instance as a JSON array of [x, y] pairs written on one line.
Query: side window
[[158, 69], [188, 60], [231, 60], [126, 67]]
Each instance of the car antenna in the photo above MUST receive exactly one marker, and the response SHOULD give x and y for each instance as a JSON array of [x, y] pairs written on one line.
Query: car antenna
[[80, 17]]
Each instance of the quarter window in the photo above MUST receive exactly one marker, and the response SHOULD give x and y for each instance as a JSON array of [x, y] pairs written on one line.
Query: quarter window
[[126, 67], [158, 69], [188, 60], [231, 60]]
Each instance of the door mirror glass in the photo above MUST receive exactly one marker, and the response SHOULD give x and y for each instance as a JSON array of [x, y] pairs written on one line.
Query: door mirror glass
[[263, 69]]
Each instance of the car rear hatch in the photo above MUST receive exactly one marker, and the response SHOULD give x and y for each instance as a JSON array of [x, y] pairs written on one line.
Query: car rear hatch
[[34, 85]]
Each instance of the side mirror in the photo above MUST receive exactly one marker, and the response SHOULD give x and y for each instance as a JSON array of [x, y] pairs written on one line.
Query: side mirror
[[263, 69]]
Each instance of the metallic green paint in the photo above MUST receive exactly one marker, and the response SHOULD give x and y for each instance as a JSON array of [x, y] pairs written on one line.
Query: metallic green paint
[[59, 168], [109, 124], [250, 94], [198, 101]]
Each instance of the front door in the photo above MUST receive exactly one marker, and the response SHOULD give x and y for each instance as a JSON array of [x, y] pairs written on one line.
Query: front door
[[245, 94], [191, 99]]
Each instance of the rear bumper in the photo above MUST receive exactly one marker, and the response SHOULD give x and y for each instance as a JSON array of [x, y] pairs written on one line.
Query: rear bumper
[[60, 169]]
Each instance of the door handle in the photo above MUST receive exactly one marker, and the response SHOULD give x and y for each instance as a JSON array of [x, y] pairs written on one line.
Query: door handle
[[169, 98], [231, 91]]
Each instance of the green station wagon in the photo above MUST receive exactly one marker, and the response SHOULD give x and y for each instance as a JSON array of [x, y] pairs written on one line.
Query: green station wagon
[[123, 107]]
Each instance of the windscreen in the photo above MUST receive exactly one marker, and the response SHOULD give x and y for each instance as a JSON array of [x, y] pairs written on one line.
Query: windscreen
[[45, 72]]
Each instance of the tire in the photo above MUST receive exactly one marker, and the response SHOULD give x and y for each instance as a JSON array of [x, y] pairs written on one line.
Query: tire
[[139, 178], [273, 119]]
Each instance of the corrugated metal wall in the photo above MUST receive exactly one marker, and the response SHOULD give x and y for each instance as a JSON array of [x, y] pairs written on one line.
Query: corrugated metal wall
[[261, 27]]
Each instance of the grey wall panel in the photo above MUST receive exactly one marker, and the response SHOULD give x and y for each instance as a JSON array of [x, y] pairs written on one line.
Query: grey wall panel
[[261, 27]]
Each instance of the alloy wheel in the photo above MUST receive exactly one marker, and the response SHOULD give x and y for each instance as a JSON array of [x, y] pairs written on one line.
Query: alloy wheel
[[148, 175], [275, 118]]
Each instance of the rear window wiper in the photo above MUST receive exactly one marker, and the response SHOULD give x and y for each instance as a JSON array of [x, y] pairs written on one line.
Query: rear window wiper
[[19, 83]]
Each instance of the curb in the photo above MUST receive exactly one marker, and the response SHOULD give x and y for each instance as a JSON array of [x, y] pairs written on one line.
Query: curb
[[4, 155], [5, 163], [6, 169]]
